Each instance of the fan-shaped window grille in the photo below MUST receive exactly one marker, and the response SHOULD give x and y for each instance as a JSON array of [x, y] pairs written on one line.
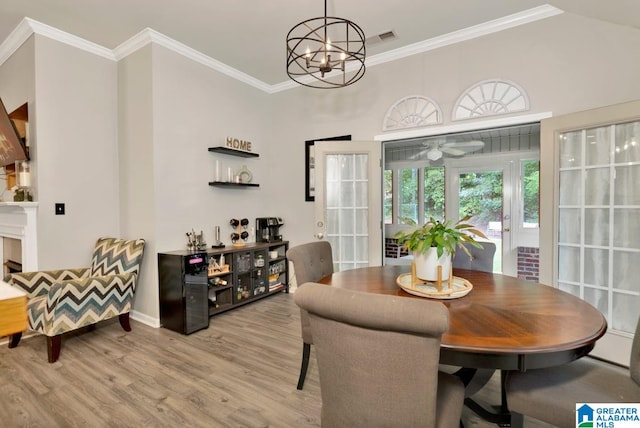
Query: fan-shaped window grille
[[490, 98], [411, 112]]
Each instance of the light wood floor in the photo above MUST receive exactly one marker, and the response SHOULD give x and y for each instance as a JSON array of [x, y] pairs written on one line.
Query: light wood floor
[[240, 372]]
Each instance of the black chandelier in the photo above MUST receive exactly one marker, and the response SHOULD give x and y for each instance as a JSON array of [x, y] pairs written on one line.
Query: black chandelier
[[318, 47]]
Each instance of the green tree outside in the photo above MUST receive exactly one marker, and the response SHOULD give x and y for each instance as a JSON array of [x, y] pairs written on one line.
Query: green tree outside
[[434, 192], [480, 195]]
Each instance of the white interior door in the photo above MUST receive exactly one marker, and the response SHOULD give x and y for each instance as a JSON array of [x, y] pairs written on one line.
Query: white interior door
[[491, 218], [348, 202]]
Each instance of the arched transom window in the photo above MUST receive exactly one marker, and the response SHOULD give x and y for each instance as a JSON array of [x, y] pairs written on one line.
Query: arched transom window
[[490, 98], [412, 112]]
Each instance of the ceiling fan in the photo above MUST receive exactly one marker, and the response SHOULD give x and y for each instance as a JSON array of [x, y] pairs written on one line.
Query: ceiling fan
[[438, 147]]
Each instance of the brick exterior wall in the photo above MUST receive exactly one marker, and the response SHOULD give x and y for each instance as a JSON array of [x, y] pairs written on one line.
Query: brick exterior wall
[[528, 263], [393, 250]]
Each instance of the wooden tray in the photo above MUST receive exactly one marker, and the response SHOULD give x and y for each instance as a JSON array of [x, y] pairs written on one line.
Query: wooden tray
[[217, 270], [461, 287]]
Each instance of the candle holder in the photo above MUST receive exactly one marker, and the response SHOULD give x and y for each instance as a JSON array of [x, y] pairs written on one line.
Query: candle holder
[[23, 174], [23, 182]]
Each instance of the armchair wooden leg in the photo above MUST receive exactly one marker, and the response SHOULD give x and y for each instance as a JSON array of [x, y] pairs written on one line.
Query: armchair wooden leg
[[54, 343], [124, 321], [306, 351], [14, 340]]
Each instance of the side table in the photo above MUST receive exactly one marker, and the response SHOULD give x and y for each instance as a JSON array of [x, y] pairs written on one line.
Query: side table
[[13, 311]]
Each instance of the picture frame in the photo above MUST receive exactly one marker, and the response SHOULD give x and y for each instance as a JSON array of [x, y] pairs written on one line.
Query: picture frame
[[310, 165], [13, 146]]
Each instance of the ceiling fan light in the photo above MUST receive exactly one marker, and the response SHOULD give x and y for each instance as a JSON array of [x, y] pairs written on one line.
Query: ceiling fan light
[[434, 154]]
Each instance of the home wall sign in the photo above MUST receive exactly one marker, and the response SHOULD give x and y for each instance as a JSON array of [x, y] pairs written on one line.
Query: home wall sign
[[237, 144]]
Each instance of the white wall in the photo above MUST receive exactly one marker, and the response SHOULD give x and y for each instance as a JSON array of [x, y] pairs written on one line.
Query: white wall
[[76, 152], [73, 133], [196, 108], [171, 110], [137, 184]]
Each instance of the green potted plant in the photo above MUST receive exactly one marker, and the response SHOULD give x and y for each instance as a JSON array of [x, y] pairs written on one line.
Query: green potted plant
[[435, 243]]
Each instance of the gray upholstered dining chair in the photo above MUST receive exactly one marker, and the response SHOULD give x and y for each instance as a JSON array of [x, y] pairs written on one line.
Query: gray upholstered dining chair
[[311, 262], [550, 395], [481, 258], [378, 359]]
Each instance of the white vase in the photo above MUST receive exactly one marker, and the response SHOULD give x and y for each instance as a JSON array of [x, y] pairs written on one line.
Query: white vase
[[427, 265]]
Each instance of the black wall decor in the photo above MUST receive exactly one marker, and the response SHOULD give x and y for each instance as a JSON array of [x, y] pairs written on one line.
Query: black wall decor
[[309, 158]]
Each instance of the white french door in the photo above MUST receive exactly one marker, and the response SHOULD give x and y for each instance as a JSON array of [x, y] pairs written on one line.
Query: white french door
[[348, 207], [592, 167], [463, 182]]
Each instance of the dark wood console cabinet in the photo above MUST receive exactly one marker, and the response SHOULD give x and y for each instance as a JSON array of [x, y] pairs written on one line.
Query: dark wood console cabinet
[[193, 289]]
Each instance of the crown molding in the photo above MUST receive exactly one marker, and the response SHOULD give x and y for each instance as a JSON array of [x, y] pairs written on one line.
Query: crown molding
[[70, 39], [494, 26], [28, 26], [18, 36], [149, 35], [283, 86], [131, 45]]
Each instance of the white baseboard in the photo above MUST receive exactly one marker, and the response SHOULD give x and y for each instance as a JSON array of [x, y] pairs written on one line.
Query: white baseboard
[[145, 319]]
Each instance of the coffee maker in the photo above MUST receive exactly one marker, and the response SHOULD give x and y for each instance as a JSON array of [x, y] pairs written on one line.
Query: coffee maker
[[268, 229]]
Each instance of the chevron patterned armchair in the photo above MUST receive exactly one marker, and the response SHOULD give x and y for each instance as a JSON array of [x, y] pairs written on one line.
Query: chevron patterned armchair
[[61, 301]]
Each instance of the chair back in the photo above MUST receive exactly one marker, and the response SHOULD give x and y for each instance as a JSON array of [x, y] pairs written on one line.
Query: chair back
[[311, 261], [377, 356], [113, 256], [481, 258], [634, 363]]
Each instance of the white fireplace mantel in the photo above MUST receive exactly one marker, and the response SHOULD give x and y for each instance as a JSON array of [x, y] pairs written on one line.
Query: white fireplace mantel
[[18, 220]]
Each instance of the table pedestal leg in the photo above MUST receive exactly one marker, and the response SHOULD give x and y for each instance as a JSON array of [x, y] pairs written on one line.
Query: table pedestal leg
[[474, 380]]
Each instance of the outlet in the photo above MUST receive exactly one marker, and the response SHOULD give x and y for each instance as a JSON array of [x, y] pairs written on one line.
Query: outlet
[[59, 208]]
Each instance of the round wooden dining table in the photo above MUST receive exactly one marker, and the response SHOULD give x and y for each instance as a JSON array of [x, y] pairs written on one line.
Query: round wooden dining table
[[503, 323]]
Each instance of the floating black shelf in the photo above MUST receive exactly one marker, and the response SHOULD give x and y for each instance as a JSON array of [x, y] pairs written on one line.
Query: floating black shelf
[[233, 152], [226, 184]]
